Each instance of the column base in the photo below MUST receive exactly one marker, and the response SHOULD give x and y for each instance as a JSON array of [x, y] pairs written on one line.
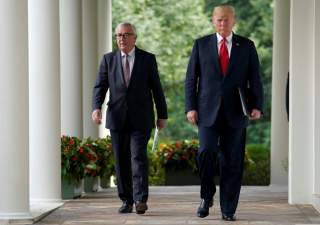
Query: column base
[[316, 201], [37, 212], [15, 218]]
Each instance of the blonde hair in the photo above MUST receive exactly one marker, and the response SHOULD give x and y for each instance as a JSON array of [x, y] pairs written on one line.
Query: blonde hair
[[227, 8]]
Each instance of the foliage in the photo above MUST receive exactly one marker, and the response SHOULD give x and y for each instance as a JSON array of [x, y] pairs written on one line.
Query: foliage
[[100, 155], [105, 161], [156, 172], [182, 154], [73, 161], [258, 171], [178, 154], [87, 157]]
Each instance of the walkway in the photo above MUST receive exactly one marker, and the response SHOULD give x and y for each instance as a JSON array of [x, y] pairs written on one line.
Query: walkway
[[177, 206]]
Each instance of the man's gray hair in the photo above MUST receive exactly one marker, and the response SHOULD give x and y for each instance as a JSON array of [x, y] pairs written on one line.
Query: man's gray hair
[[126, 24]]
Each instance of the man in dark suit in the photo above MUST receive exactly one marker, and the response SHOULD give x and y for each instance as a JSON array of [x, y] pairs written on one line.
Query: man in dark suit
[[220, 65], [131, 76]]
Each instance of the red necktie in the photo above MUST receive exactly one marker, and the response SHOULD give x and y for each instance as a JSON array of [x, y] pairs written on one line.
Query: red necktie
[[224, 56]]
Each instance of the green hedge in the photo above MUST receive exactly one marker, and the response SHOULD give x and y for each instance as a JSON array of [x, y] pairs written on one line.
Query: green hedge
[[257, 171], [256, 168], [88, 157]]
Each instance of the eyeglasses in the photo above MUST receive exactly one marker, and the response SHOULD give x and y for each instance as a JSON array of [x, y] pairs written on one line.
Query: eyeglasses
[[124, 35]]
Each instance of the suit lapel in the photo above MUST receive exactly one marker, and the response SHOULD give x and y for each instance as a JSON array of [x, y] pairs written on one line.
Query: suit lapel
[[234, 53], [136, 64], [215, 55], [119, 73]]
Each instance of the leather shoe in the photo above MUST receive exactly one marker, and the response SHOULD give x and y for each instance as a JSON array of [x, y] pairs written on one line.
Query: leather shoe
[[125, 208], [228, 217], [141, 207], [203, 209]]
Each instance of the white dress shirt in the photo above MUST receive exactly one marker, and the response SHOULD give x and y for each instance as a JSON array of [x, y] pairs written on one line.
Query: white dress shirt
[[131, 56], [228, 43]]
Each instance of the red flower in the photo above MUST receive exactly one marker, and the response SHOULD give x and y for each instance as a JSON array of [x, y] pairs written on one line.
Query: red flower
[[178, 145], [169, 155], [71, 142], [184, 157]]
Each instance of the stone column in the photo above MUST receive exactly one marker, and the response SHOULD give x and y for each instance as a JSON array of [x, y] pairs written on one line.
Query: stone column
[[317, 107], [302, 96], [90, 63], [14, 115], [44, 91], [104, 46], [71, 67], [280, 69]]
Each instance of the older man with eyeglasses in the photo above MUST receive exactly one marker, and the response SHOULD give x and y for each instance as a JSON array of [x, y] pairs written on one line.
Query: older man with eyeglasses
[[131, 76]]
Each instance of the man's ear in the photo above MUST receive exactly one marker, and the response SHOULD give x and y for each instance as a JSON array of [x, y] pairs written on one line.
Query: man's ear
[[212, 19]]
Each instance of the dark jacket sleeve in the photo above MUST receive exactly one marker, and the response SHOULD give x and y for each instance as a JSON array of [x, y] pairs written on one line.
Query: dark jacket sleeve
[[255, 84], [191, 82], [101, 86], [157, 91]]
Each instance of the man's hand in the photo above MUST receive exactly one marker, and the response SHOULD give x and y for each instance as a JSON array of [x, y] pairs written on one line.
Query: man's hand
[[255, 114], [192, 117], [161, 123], [96, 116]]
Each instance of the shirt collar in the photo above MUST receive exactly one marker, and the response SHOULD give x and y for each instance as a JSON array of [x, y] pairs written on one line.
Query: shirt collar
[[229, 38], [131, 53]]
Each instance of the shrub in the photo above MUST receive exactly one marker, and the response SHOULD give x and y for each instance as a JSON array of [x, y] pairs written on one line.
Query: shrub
[[156, 171], [257, 172], [105, 161], [178, 154], [182, 154], [87, 157], [73, 161]]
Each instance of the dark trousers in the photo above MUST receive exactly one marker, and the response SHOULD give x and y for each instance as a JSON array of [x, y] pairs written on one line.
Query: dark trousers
[[130, 152], [227, 145]]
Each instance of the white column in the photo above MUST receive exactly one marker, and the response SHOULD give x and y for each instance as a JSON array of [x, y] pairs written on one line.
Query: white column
[[14, 130], [44, 82], [71, 67], [280, 68], [317, 107], [90, 63], [302, 98], [104, 46]]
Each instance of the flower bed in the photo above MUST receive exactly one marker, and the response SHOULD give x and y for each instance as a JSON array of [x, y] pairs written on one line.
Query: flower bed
[[94, 157], [85, 158], [179, 154]]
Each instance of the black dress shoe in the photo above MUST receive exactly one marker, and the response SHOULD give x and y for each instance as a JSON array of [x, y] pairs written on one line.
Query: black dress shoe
[[228, 217], [203, 209], [125, 208], [141, 207]]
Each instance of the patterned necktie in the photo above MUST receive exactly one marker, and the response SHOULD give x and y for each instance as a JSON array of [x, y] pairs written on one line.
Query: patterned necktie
[[126, 70], [224, 56]]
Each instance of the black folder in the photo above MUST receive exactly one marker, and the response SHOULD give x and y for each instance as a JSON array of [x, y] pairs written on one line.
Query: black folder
[[244, 103]]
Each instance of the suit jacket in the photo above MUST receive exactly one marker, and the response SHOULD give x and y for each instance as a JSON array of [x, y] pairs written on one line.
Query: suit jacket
[[206, 88], [133, 104]]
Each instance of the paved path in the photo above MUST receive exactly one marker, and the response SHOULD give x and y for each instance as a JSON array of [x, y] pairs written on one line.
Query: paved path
[[177, 206]]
